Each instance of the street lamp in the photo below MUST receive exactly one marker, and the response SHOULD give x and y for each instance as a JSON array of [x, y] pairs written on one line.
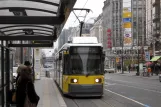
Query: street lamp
[[115, 60]]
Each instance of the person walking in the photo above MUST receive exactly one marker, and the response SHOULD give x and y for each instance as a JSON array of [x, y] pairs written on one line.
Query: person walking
[[149, 71], [19, 69], [26, 89], [28, 64], [129, 68]]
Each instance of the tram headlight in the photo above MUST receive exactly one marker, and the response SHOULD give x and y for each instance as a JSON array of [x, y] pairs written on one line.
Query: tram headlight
[[74, 80], [98, 80]]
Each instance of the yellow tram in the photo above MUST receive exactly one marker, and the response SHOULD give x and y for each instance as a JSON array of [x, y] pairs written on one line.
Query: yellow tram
[[79, 67]]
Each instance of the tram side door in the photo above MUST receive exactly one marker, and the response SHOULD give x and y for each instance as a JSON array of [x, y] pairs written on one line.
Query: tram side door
[[65, 68], [60, 69]]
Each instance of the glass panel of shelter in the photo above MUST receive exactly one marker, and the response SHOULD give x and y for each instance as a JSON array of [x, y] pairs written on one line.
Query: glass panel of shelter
[[4, 76]]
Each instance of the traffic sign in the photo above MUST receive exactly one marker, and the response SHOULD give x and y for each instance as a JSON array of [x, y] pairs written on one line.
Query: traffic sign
[[147, 56], [117, 59], [126, 20]]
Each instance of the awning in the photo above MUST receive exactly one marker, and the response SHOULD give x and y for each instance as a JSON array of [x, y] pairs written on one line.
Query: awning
[[155, 58], [33, 20]]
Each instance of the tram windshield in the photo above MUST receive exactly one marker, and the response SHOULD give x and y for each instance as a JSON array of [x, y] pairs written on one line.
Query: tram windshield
[[85, 60]]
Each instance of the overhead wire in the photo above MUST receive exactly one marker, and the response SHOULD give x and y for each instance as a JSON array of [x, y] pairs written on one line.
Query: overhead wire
[[74, 28], [81, 11]]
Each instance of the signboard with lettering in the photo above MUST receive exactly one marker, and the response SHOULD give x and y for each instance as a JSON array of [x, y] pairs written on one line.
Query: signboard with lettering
[[109, 40], [127, 15], [147, 56]]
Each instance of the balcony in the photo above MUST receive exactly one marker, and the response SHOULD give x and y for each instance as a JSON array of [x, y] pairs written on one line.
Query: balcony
[[156, 35], [156, 28], [156, 18]]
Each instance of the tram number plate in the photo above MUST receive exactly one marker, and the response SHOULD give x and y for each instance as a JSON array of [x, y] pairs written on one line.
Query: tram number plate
[[87, 87]]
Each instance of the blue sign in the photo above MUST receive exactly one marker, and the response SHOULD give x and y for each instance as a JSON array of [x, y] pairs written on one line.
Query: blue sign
[[126, 19], [147, 56]]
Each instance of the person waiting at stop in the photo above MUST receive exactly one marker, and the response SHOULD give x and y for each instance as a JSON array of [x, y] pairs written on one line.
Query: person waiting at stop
[[149, 71]]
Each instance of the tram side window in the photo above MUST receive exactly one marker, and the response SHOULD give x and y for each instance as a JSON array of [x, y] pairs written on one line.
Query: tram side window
[[57, 66], [66, 64]]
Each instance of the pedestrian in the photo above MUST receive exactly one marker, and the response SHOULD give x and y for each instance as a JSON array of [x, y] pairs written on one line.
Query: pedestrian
[[19, 69], [149, 71], [129, 68], [26, 89], [28, 64], [119, 68]]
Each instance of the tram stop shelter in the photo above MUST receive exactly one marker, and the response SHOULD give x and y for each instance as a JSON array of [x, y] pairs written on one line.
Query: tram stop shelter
[[28, 23]]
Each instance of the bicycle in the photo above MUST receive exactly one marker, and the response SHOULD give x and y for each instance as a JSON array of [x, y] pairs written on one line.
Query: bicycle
[[145, 73]]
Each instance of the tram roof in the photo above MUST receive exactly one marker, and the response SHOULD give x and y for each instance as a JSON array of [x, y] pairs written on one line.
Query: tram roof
[[37, 21], [75, 44], [65, 46]]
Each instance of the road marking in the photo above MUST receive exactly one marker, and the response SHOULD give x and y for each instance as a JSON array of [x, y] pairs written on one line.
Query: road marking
[[121, 81], [106, 83], [156, 85], [127, 98], [136, 88]]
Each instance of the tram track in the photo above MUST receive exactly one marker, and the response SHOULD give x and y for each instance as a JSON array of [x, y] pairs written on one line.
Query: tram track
[[108, 100], [91, 102], [75, 102]]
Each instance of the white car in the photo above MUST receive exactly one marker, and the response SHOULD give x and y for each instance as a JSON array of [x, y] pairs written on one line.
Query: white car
[[109, 70]]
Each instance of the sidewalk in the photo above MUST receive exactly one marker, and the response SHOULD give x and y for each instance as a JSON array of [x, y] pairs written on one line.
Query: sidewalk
[[49, 93], [133, 73]]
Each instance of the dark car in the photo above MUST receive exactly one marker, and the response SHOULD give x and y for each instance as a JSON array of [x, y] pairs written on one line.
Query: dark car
[[160, 77]]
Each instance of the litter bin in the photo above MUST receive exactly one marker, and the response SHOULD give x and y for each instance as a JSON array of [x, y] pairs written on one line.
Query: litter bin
[[48, 74]]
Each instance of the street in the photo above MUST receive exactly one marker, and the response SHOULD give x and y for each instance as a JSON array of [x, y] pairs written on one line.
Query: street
[[124, 91]]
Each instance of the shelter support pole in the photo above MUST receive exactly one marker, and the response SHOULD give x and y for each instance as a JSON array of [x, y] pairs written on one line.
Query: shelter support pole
[[21, 55], [2, 74], [7, 74]]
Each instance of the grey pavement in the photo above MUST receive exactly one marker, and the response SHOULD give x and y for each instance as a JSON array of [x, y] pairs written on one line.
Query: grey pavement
[[144, 91], [133, 73], [49, 94]]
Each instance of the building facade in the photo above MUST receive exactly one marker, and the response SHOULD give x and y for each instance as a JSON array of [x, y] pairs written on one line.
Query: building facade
[[156, 17], [63, 38], [97, 29], [112, 29], [149, 22]]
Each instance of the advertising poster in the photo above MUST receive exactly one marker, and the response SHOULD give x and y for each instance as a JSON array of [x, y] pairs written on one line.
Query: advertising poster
[[127, 37], [37, 66], [109, 40], [147, 56], [127, 26]]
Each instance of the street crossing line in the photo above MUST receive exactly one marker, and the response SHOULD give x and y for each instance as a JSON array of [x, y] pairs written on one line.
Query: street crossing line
[[127, 98]]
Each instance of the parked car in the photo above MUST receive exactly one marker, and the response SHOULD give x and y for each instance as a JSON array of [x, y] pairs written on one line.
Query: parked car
[[109, 70]]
